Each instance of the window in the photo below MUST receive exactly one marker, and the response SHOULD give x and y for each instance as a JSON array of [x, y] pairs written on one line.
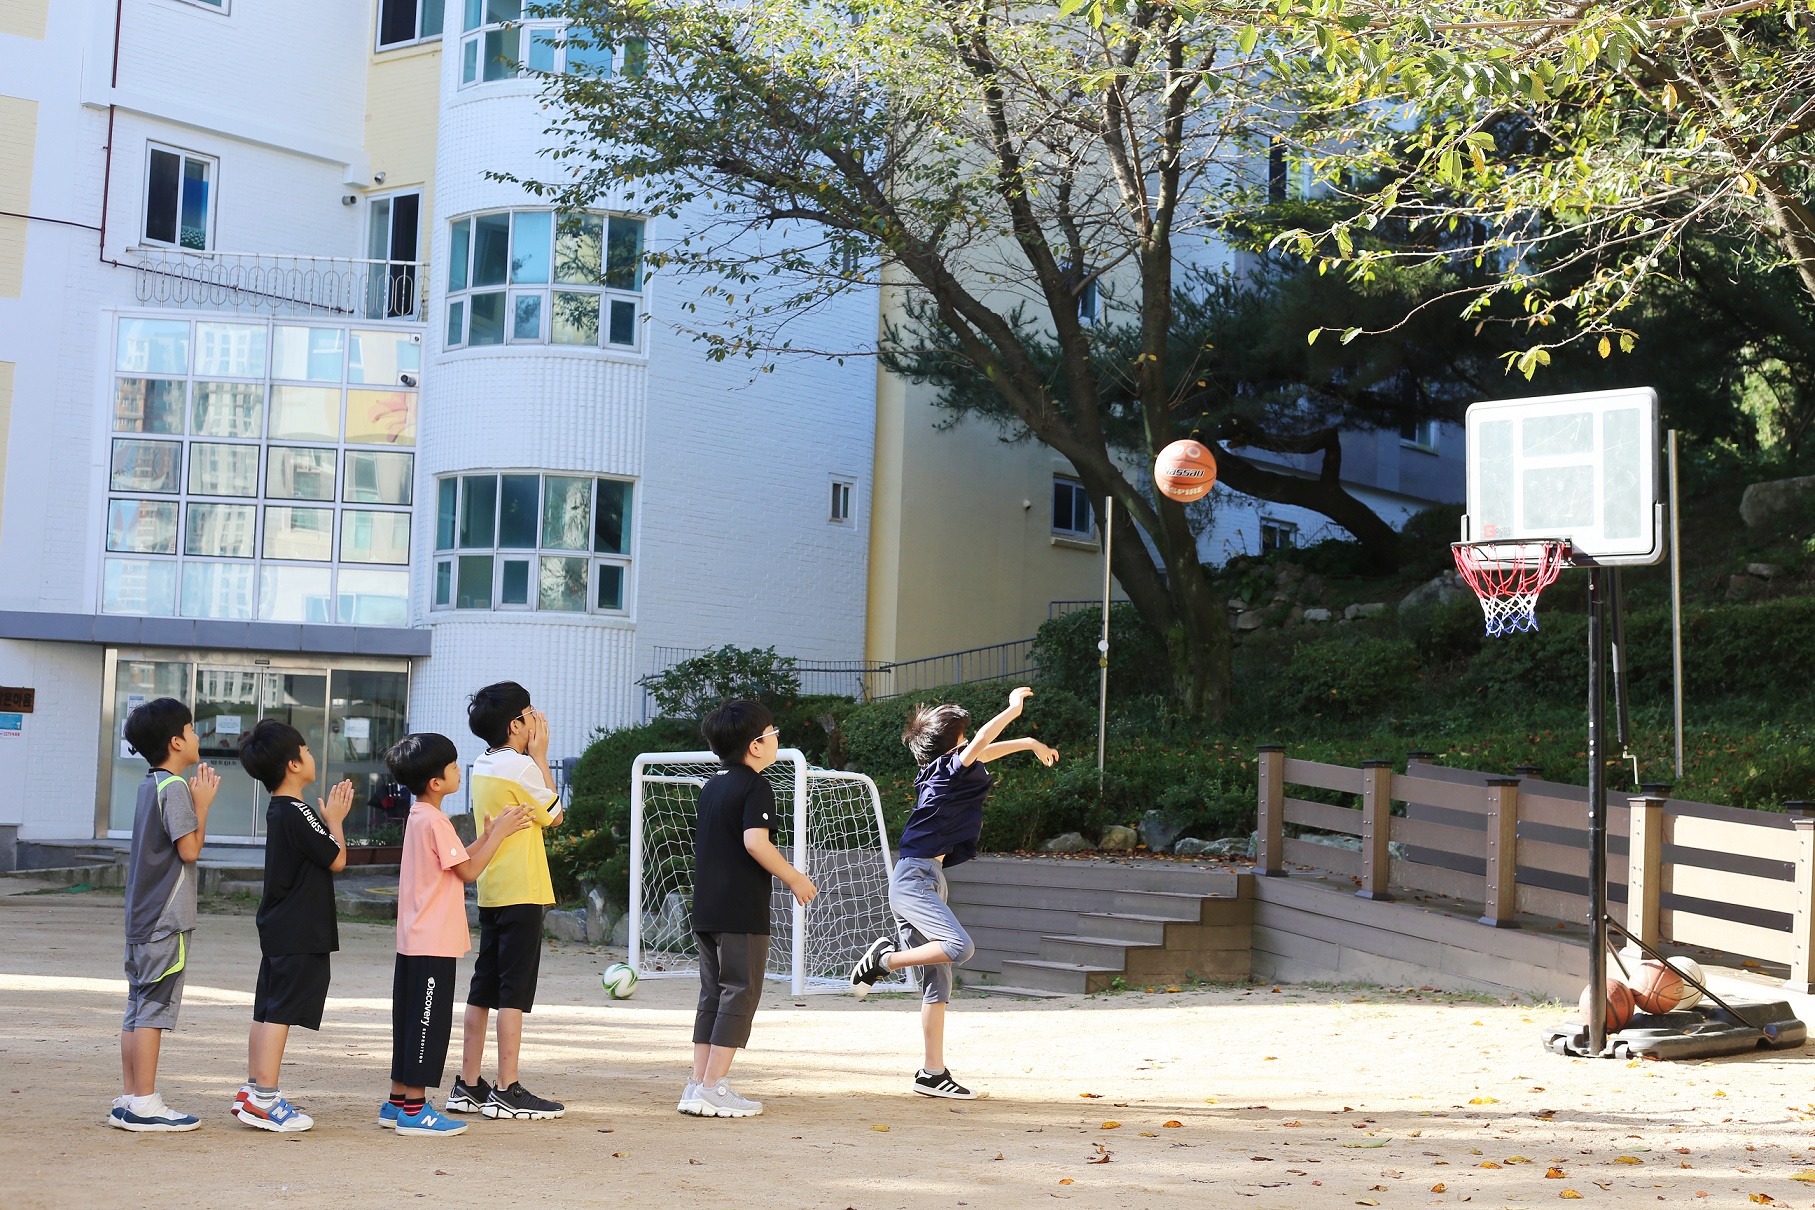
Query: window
[[525, 541], [404, 21], [841, 501], [391, 244], [1420, 435], [1277, 535], [217, 5], [1277, 171], [1090, 301], [255, 461], [537, 277], [1071, 515], [178, 205], [496, 43]]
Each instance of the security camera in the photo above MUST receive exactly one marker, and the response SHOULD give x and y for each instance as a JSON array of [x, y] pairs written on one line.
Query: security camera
[[408, 380], [348, 199], [378, 178]]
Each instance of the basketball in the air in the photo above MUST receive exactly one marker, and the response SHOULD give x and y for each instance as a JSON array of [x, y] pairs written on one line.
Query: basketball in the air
[[1185, 471], [619, 980], [1692, 995], [1658, 988], [1620, 1005]]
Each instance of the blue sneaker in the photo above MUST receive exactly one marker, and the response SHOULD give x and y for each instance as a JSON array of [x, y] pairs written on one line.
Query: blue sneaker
[[428, 1120], [387, 1115], [158, 1117], [280, 1116]]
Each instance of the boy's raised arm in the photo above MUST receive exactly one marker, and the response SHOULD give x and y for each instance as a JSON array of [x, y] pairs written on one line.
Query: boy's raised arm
[[1007, 747], [987, 733]]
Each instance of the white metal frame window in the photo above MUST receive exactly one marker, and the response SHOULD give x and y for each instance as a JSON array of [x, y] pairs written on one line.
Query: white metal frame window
[[260, 470], [843, 509], [219, 6], [531, 540], [496, 43], [393, 235], [538, 277], [1419, 435], [179, 198], [406, 22], [1277, 535], [1071, 512]]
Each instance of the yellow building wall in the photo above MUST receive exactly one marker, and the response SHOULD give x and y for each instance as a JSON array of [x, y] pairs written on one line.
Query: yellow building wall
[[24, 18], [962, 552], [403, 90], [18, 138]]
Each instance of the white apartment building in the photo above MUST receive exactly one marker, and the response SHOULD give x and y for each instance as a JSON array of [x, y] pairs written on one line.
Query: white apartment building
[[306, 418]]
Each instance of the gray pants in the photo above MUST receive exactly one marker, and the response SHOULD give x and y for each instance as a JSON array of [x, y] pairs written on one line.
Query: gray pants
[[154, 982], [731, 984], [917, 893]]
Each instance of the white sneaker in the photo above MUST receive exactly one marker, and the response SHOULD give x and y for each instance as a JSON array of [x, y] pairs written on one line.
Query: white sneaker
[[718, 1101], [690, 1100], [151, 1114]]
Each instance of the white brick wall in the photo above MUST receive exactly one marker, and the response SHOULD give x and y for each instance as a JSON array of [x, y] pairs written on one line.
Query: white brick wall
[[49, 772]]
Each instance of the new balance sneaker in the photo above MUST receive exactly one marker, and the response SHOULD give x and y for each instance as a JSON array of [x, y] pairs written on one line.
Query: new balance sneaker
[[940, 1084], [718, 1101], [870, 967], [387, 1114], [426, 1121], [279, 1116], [521, 1104], [468, 1098], [150, 1114], [690, 1100]]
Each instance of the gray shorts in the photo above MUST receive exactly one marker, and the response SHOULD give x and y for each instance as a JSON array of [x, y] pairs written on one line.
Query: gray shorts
[[917, 895], [154, 982], [731, 986]]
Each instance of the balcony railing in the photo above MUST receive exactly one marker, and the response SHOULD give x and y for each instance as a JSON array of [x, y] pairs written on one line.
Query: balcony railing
[[269, 283]]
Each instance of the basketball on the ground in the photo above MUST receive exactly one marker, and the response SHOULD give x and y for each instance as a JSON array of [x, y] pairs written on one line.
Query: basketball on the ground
[[1658, 988], [1620, 1005], [1692, 995], [1185, 471], [620, 980]]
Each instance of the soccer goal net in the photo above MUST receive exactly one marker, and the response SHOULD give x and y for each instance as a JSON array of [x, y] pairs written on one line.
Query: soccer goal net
[[828, 824]]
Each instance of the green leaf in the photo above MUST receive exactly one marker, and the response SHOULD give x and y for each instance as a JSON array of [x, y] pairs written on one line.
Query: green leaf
[[1351, 334], [1068, 7], [1250, 36], [1312, 335]]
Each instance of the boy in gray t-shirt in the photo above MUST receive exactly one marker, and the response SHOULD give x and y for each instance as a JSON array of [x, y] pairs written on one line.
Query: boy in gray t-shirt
[[167, 831]]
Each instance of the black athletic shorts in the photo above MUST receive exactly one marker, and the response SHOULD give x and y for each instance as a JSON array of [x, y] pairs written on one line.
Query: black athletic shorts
[[510, 957], [422, 1016], [292, 990]]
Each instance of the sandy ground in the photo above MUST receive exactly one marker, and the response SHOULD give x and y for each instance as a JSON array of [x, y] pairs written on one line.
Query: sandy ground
[[1297, 1096]]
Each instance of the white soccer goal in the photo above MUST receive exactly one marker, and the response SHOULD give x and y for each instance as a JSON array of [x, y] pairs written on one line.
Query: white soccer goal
[[834, 833]]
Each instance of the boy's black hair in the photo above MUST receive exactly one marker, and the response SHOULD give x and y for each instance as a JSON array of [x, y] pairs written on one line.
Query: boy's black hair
[[490, 712], [419, 758], [267, 750], [932, 731], [151, 726], [733, 726]]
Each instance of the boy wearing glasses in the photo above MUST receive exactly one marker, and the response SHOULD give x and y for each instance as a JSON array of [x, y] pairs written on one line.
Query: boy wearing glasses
[[733, 859], [514, 894]]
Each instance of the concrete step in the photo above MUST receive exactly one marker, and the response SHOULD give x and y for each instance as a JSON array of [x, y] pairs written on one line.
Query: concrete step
[[1095, 873], [1073, 977]]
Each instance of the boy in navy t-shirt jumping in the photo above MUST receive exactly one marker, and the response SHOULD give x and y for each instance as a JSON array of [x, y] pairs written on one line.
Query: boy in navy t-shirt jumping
[[941, 832]]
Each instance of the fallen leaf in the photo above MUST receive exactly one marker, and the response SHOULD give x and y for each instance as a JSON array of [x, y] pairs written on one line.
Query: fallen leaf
[[1806, 1176], [1764, 1199], [1268, 1058], [1439, 1187], [1112, 1125], [1095, 1096], [1571, 1194], [998, 1155], [620, 1155], [1172, 1124], [1148, 1134], [1553, 1174], [1483, 1100], [1517, 1159], [883, 1129], [1627, 1159], [1101, 1159], [1065, 1180], [1369, 1143], [1366, 1201], [1719, 1093], [1209, 1100], [1488, 1164], [695, 1162], [1376, 1188]]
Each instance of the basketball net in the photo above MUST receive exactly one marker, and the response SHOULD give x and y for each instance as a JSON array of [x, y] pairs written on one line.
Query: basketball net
[[1508, 578]]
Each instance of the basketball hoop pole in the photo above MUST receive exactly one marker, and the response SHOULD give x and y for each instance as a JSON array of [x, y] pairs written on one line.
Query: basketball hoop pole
[[1103, 644], [1597, 817]]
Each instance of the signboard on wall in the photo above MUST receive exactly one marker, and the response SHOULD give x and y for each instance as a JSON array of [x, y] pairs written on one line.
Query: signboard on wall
[[16, 700], [12, 724]]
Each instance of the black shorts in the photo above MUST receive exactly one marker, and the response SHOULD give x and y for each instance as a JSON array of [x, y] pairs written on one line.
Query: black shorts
[[422, 1016], [510, 957], [292, 990]]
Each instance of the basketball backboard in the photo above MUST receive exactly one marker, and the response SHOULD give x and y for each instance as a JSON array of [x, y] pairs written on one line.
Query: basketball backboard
[[1580, 467]]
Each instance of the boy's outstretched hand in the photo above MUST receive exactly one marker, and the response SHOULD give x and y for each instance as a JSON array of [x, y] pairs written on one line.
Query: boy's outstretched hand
[[506, 822], [538, 734], [803, 889], [339, 802], [1048, 756], [1018, 698], [203, 787]]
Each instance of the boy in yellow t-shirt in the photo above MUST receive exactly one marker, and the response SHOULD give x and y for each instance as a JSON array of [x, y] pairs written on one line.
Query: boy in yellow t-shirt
[[514, 893]]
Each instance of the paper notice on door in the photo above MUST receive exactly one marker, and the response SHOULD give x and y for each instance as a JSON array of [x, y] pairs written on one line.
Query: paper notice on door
[[133, 702], [227, 724], [357, 728], [12, 724]]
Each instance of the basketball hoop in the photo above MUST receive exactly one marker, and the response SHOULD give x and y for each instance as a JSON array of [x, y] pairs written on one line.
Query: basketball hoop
[[1508, 577]]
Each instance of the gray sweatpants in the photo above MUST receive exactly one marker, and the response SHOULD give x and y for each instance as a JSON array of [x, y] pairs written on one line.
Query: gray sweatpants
[[731, 985], [917, 893]]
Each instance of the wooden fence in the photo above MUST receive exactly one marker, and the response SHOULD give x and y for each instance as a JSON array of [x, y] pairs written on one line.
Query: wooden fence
[[1692, 873]]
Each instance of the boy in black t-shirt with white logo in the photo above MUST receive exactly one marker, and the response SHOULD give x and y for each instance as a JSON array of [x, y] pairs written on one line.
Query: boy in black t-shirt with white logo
[[733, 859], [304, 847]]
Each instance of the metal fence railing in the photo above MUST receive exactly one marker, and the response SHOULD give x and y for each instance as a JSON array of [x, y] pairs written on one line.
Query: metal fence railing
[[1058, 609], [997, 662], [270, 283]]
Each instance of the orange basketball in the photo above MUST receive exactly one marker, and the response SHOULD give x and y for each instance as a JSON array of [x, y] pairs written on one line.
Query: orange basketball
[[1659, 988], [1620, 1005], [1185, 471]]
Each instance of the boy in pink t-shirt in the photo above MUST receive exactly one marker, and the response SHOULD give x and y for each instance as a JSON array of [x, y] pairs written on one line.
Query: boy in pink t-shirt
[[431, 928]]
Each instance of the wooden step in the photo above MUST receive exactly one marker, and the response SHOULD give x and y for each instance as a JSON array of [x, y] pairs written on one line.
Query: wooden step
[[1172, 905], [1089, 951], [1096, 873], [1073, 977], [1137, 930], [1021, 993]]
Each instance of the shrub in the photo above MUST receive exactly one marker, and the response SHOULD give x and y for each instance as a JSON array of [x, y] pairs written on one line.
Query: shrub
[[591, 845], [871, 733], [1352, 677], [694, 686], [1425, 537], [1065, 649]]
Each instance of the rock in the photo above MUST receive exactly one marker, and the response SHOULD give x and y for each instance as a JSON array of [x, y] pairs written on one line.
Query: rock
[[1118, 839], [1159, 831], [1744, 588], [1312, 588], [1317, 615], [1254, 619], [602, 913], [1776, 502], [1237, 604], [1371, 610], [1236, 847], [1189, 846], [465, 828], [1287, 575], [1352, 843], [1296, 615], [1440, 590], [620, 932], [1764, 571], [1070, 842], [566, 926]]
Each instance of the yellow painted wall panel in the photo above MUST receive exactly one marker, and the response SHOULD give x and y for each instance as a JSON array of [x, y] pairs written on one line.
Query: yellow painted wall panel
[[24, 18], [6, 423], [18, 138], [402, 113], [12, 257]]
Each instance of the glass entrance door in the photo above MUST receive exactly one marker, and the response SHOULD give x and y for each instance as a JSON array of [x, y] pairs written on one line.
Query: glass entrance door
[[228, 702]]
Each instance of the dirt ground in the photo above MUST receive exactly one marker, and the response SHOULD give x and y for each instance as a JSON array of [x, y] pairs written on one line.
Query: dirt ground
[[1250, 1097]]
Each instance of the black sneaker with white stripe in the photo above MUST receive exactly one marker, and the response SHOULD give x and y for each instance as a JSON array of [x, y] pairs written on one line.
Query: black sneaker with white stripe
[[941, 1084], [468, 1098], [519, 1103], [870, 967]]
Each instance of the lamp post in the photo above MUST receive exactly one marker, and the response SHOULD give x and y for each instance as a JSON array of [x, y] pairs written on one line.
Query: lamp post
[[1103, 645]]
